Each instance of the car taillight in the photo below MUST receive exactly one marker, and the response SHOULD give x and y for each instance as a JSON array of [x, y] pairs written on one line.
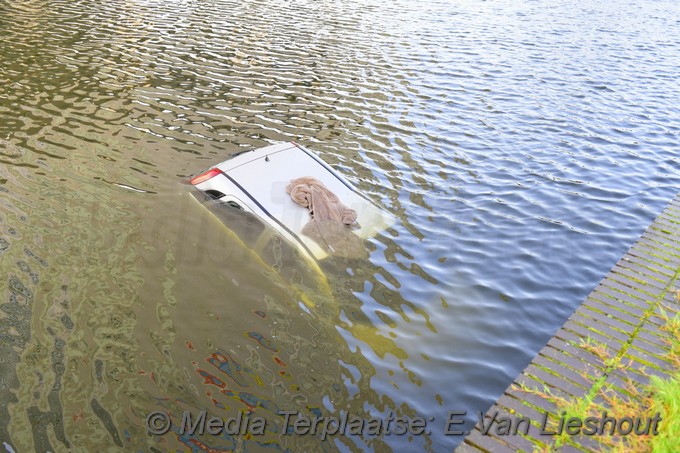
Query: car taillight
[[206, 176]]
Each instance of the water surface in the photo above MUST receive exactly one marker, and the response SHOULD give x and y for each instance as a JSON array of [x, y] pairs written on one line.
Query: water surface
[[523, 147]]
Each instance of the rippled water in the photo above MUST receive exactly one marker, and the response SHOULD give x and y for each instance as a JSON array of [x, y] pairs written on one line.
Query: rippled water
[[523, 147]]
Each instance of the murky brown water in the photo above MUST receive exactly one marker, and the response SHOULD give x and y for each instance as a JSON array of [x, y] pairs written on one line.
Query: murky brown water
[[522, 148]]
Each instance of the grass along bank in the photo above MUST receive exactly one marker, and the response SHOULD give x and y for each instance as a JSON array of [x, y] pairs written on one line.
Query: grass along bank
[[661, 397]]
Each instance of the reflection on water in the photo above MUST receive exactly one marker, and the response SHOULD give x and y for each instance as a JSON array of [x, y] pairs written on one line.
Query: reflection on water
[[523, 147]]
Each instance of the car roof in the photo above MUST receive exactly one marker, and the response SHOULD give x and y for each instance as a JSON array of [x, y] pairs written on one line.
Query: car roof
[[258, 180]]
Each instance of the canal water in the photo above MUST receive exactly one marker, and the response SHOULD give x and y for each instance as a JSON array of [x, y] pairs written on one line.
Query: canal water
[[522, 147]]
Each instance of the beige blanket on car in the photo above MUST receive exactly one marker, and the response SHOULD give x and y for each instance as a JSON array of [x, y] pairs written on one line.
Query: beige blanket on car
[[331, 222]]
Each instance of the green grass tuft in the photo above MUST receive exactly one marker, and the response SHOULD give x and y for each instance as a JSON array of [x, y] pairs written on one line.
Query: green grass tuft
[[666, 400]]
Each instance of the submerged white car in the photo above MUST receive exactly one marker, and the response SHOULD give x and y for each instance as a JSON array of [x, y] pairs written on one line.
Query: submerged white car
[[255, 182]]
